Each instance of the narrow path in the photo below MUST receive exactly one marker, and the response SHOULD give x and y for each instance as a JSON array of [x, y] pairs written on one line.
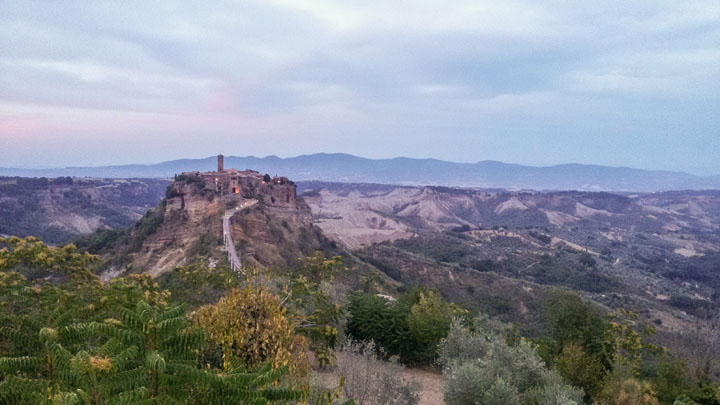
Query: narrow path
[[431, 382], [233, 258]]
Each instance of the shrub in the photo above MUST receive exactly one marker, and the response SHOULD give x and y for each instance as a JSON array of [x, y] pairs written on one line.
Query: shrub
[[171, 192], [147, 356], [370, 380], [480, 367], [101, 240], [587, 260], [148, 225], [462, 385], [461, 228], [196, 284], [623, 389], [250, 324], [203, 245], [581, 369]]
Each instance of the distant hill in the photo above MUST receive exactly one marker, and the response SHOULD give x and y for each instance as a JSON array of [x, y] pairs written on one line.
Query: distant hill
[[348, 168], [61, 209]]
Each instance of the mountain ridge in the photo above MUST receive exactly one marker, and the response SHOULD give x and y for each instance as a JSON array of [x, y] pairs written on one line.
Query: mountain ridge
[[343, 167]]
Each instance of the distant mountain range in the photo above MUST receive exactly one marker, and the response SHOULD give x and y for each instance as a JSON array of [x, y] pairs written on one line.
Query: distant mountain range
[[340, 167]]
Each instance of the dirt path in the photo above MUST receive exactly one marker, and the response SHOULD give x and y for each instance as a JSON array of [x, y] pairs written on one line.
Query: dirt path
[[432, 385], [233, 258]]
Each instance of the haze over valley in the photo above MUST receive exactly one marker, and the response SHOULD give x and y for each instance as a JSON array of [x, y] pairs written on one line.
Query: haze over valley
[[346, 168]]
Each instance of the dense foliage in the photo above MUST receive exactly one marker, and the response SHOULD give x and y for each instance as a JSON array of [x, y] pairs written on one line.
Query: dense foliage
[[480, 367], [410, 327], [66, 337], [250, 324]]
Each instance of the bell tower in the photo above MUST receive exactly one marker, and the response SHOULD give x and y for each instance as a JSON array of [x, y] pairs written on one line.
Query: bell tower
[[220, 163]]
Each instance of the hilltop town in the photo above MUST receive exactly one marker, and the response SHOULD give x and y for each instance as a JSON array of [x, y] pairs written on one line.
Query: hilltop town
[[246, 183]]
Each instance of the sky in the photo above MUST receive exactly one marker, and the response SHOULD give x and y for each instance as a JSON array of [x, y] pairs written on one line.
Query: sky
[[532, 82]]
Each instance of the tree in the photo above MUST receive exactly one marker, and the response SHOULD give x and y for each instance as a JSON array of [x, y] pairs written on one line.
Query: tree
[[429, 322], [410, 327], [252, 325], [317, 316], [66, 337], [149, 355], [581, 369], [30, 255]]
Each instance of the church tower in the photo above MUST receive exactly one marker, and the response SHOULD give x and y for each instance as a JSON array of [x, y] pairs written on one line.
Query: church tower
[[220, 163]]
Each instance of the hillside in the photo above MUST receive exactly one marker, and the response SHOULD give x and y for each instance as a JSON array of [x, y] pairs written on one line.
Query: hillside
[[59, 210], [656, 254], [361, 214], [353, 169], [270, 227], [509, 255]]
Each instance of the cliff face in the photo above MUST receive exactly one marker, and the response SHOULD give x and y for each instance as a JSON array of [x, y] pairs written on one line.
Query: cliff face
[[275, 235], [274, 232]]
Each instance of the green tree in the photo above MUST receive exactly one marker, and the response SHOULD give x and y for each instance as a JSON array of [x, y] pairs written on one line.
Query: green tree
[[429, 322], [410, 327], [581, 369], [317, 315], [148, 356]]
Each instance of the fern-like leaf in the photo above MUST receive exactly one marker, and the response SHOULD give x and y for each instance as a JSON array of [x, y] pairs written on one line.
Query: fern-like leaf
[[22, 363]]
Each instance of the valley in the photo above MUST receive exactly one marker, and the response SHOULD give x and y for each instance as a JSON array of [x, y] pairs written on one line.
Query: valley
[[657, 253], [58, 210], [359, 203], [504, 254]]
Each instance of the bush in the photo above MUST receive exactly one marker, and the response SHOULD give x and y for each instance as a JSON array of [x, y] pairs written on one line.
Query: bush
[[190, 178], [623, 389], [373, 318], [171, 192], [587, 260], [461, 228], [203, 245], [370, 380], [101, 240], [480, 367], [541, 237], [428, 323], [250, 324]]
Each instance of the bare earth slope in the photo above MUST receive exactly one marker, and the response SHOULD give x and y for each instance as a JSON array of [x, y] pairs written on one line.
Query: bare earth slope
[[364, 215], [656, 253]]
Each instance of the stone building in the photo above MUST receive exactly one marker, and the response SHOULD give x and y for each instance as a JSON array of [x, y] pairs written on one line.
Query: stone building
[[248, 184]]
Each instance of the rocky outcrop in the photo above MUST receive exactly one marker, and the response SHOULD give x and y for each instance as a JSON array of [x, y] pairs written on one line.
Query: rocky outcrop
[[274, 231]]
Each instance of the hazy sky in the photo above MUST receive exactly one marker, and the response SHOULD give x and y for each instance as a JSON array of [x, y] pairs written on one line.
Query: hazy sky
[[608, 82]]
